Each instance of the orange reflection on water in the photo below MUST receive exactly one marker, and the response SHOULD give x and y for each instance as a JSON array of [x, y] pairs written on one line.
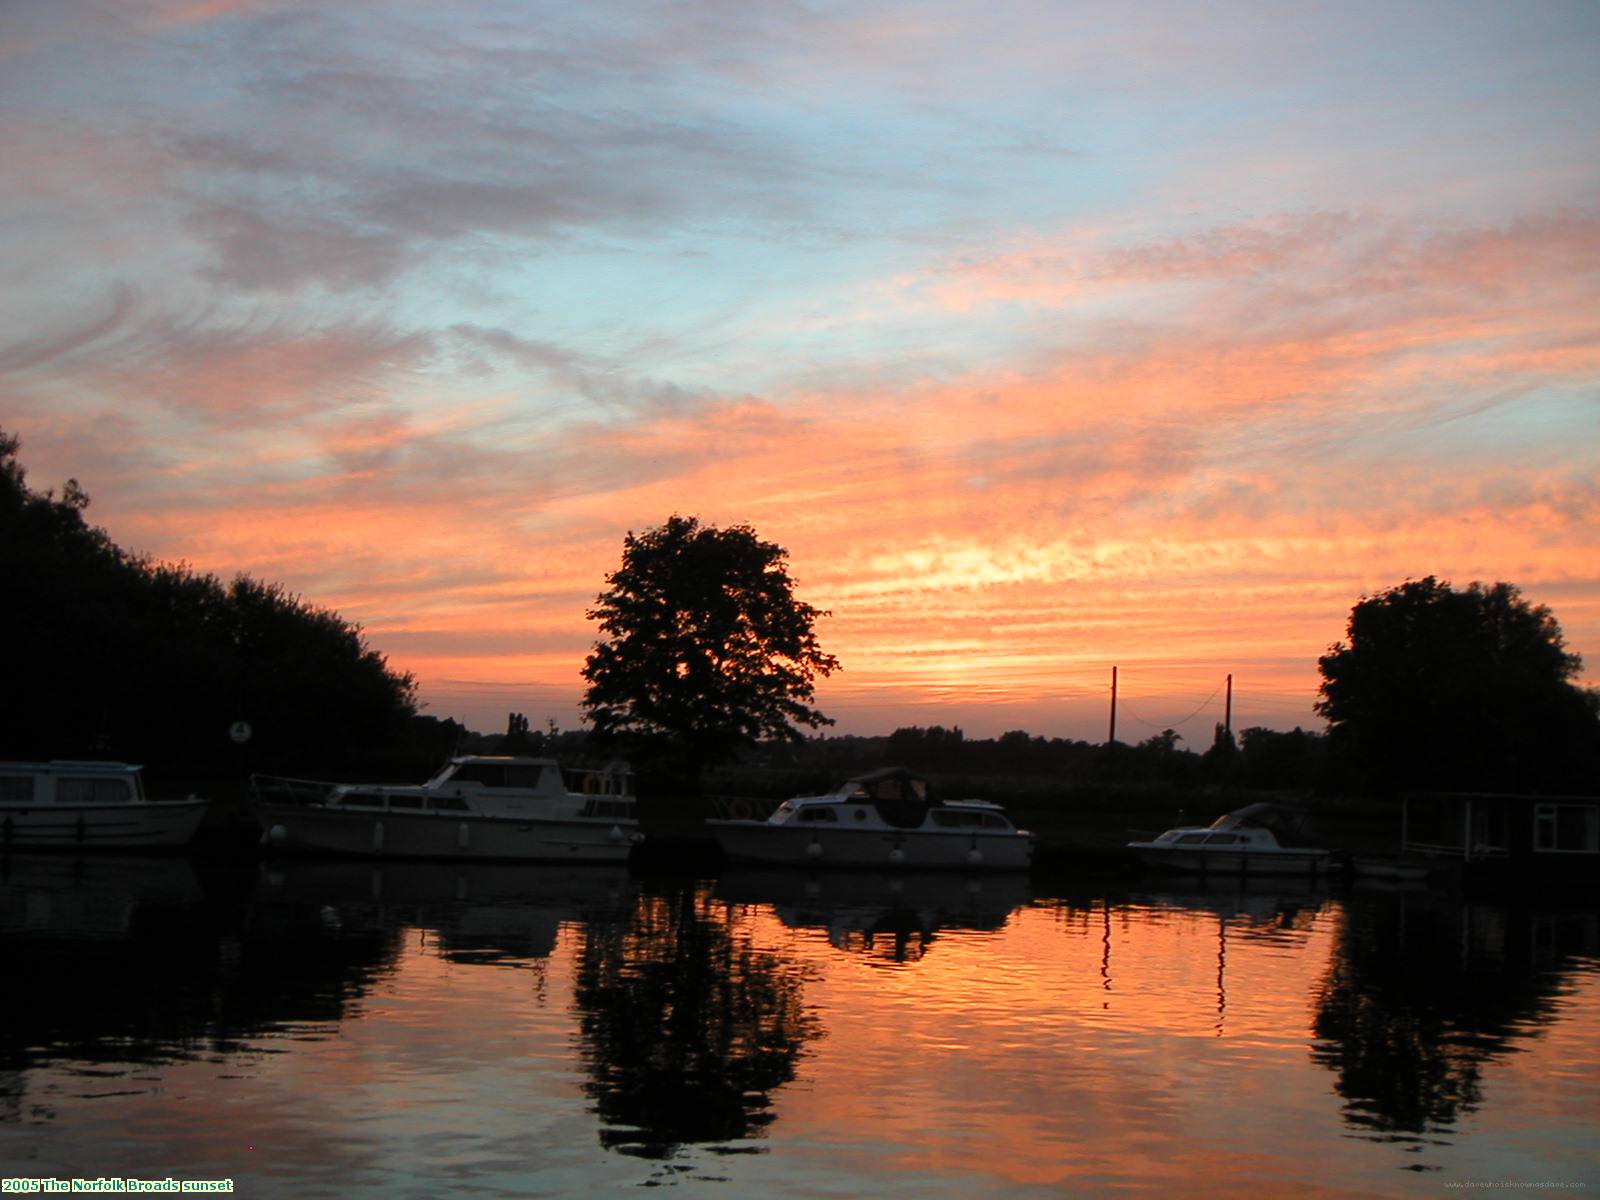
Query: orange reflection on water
[[517, 1031], [1067, 1047]]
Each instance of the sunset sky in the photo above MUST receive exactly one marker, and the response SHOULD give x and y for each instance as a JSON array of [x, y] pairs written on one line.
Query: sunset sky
[[1046, 337]]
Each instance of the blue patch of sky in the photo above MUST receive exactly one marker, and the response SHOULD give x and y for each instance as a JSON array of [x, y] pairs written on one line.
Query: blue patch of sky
[[1552, 422]]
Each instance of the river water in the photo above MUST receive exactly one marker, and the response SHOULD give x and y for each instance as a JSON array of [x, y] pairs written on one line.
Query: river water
[[319, 1029]]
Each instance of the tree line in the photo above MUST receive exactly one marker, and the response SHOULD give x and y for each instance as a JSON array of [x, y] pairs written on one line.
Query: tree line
[[708, 662]]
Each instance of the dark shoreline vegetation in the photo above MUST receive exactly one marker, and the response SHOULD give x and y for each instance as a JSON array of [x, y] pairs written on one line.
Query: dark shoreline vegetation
[[127, 658]]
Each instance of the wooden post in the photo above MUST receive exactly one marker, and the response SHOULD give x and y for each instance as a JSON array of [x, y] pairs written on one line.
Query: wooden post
[[1111, 738]]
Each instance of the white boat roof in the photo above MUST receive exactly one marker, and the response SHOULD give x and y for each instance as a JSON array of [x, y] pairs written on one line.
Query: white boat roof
[[844, 796], [504, 760], [60, 766]]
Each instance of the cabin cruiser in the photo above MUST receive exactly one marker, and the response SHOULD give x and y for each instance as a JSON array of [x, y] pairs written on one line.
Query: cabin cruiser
[[1259, 839], [884, 819], [89, 805], [477, 807]]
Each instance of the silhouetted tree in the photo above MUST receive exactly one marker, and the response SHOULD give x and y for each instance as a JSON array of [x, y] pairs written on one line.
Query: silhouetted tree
[[113, 654], [1221, 761], [1437, 688], [1274, 759], [707, 648]]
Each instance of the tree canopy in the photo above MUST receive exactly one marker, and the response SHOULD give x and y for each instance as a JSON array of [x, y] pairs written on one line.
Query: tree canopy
[[707, 648], [1441, 689], [113, 654]]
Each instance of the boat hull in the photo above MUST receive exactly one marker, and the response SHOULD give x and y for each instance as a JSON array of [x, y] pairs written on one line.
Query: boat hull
[[145, 824], [330, 830], [1193, 861], [762, 842]]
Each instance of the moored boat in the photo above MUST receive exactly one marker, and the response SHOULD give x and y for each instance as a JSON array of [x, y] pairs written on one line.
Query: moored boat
[[477, 807], [883, 819], [1389, 869], [89, 805], [1259, 839]]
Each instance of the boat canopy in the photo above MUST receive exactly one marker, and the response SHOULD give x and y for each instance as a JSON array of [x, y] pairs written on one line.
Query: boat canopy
[[1291, 826], [900, 797]]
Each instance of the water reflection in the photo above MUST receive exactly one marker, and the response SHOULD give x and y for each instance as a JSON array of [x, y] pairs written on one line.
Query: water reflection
[[133, 959], [411, 1028], [889, 917], [688, 1028], [1421, 993], [123, 963], [1278, 916], [497, 914]]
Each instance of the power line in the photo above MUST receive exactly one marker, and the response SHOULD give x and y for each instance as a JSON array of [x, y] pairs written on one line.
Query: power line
[[1175, 724]]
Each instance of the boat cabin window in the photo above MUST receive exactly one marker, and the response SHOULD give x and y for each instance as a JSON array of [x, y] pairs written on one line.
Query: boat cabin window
[[92, 791], [16, 789], [1224, 839], [518, 775], [818, 814], [405, 801], [1191, 839], [955, 818], [447, 803], [614, 810], [361, 800], [1566, 828]]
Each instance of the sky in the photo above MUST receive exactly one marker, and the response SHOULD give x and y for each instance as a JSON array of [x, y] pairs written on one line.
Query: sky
[[1047, 338]]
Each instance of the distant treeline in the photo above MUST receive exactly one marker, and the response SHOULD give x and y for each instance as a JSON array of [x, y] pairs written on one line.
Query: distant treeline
[[1013, 764]]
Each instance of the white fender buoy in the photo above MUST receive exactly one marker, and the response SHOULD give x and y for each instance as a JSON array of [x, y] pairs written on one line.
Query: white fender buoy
[[615, 836], [897, 856], [974, 857], [377, 835], [278, 835], [463, 836], [814, 850]]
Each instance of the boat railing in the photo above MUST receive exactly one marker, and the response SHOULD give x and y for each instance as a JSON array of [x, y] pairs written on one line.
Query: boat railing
[[277, 789], [740, 808]]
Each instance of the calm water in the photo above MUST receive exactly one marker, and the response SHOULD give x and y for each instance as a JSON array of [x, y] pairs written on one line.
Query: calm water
[[316, 1029]]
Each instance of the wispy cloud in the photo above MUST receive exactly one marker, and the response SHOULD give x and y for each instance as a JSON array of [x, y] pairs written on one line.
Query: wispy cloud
[[1042, 344]]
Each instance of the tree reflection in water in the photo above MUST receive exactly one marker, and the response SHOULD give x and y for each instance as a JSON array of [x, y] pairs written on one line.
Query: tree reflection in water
[[687, 1026], [1419, 995], [131, 960]]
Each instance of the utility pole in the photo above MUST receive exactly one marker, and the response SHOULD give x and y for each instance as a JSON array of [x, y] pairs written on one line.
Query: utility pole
[[1227, 711], [1111, 738]]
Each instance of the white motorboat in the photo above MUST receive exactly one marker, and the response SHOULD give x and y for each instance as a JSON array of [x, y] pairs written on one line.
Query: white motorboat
[[477, 807], [1259, 839], [884, 819], [99, 805]]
